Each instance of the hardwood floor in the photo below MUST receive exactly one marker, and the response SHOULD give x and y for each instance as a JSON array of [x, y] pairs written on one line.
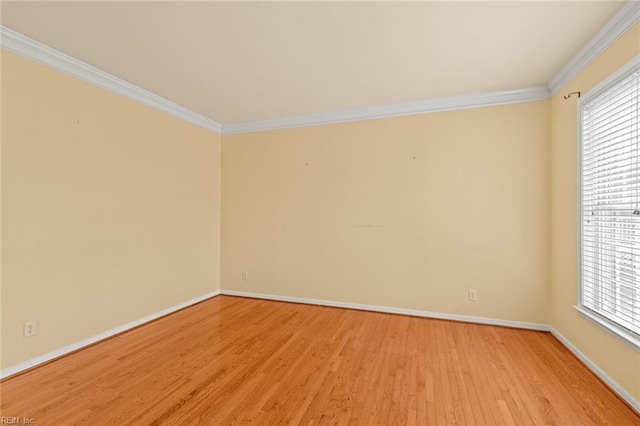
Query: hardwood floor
[[233, 360]]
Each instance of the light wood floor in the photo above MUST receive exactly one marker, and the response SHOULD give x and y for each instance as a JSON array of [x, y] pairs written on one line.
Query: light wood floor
[[232, 360]]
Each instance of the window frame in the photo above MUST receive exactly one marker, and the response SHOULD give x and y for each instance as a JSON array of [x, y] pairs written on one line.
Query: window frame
[[618, 330]]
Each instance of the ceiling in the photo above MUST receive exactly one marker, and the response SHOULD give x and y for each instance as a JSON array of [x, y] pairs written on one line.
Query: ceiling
[[245, 61]]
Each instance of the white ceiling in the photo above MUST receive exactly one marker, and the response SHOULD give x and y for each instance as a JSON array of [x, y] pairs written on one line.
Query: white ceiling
[[244, 61]]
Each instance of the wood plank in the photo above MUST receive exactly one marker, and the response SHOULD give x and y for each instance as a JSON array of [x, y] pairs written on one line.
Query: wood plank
[[232, 360]]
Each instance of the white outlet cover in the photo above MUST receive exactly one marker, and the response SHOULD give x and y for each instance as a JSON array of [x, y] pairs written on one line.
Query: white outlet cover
[[29, 328]]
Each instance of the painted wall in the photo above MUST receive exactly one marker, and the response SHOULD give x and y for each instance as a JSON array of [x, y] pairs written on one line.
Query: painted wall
[[110, 209], [408, 212], [619, 360]]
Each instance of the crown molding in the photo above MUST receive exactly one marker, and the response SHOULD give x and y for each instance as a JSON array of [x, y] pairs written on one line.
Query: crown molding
[[24, 46], [622, 21], [476, 100]]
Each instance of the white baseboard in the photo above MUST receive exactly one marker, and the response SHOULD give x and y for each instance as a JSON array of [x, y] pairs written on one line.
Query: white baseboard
[[9, 371], [389, 310], [629, 399], [635, 404]]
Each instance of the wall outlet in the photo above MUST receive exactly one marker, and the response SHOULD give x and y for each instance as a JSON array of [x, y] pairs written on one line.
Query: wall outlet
[[473, 295], [245, 275], [29, 328]]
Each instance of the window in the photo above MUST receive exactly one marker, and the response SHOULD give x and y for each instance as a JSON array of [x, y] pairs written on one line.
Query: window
[[610, 203]]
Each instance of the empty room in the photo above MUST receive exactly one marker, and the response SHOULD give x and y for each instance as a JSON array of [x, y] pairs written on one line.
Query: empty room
[[320, 213]]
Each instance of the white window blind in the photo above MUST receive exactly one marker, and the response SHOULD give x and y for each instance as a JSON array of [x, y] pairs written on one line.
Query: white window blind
[[610, 203]]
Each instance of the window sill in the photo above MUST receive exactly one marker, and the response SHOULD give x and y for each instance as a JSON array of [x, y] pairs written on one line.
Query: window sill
[[628, 338]]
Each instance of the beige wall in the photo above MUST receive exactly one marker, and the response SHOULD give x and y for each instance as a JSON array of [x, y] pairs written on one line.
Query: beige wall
[[110, 209], [617, 359], [407, 212], [1, 303]]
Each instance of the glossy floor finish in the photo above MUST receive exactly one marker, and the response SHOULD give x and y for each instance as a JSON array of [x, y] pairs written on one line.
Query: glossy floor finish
[[233, 360]]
